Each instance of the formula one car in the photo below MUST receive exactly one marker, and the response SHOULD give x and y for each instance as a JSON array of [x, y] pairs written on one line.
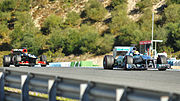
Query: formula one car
[[20, 57], [128, 58]]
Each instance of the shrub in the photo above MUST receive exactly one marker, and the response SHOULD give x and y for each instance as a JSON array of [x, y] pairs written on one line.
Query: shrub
[[172, 13], [24, 5], [52, 22], [73, 19], [95, 10], [143, 4], [8, 5], [117, 2], [75, 41], [105, 44]]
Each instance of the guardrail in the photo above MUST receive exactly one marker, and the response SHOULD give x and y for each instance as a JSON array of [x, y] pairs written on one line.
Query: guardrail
[[72, 88]]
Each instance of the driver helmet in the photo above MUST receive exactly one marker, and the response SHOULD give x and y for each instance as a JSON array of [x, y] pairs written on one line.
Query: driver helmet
[[136, 53]]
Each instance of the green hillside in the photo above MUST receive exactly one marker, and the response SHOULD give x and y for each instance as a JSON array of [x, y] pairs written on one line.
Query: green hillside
[[64, 27]]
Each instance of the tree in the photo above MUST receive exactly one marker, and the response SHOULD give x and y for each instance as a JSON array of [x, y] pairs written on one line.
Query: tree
[[173, 30], [117, 2], [172, 13], [73, 19], [75, 41], [104, 44], [34, 43], [95, 10], [119, 19], [4, 16], [89, 36], [52, 22], [169, 2], [4, 34], [25, 33], [144, 4], [7, 5], [24, 5]]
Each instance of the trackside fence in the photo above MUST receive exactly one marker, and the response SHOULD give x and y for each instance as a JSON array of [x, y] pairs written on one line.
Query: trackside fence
[[72, 88]]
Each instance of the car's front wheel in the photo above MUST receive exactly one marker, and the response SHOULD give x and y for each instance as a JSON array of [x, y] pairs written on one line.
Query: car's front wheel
[[108, 62], [6, 61]]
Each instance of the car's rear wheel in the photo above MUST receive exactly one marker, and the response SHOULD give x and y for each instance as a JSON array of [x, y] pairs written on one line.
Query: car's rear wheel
[[32, 65], [16, 59], [108, 62], [43, 58], [161, 69], [6, 61], [162, 59], [32, 62]]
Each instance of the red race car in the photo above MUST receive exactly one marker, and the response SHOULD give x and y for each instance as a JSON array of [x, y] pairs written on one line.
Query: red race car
[[20, 57]]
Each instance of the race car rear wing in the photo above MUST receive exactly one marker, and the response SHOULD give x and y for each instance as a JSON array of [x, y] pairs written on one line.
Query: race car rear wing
[[121, 50]]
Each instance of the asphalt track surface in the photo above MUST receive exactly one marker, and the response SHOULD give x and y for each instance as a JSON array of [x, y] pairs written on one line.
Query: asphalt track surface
[[167, 81]]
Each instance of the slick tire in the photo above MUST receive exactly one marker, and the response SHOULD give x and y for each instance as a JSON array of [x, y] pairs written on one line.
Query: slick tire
[[6, 61], [16, 59], [162, 69], [108, 62], [162, 59], [129, 59], [43, 58]]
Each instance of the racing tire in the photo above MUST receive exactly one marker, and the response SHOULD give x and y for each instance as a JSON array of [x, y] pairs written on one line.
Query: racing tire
[[31, 65], [13, 59], [162, 59], [43, 65], [43, 58], [129, 59], [6, 61], [16, 65], [162, 69], [16, 59], [108, 62]]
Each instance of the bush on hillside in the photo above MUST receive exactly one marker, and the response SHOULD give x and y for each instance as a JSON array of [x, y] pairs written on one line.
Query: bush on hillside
[[169, 2], [95, 10], [143, 4], [73, 19], [8, 5], [105, 44], [119, 19], [25, 34], [172, 13], [24, 5], [74, 41], [118, 2], [173, 30], [4, 17], [80, 41], [52, 22]]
